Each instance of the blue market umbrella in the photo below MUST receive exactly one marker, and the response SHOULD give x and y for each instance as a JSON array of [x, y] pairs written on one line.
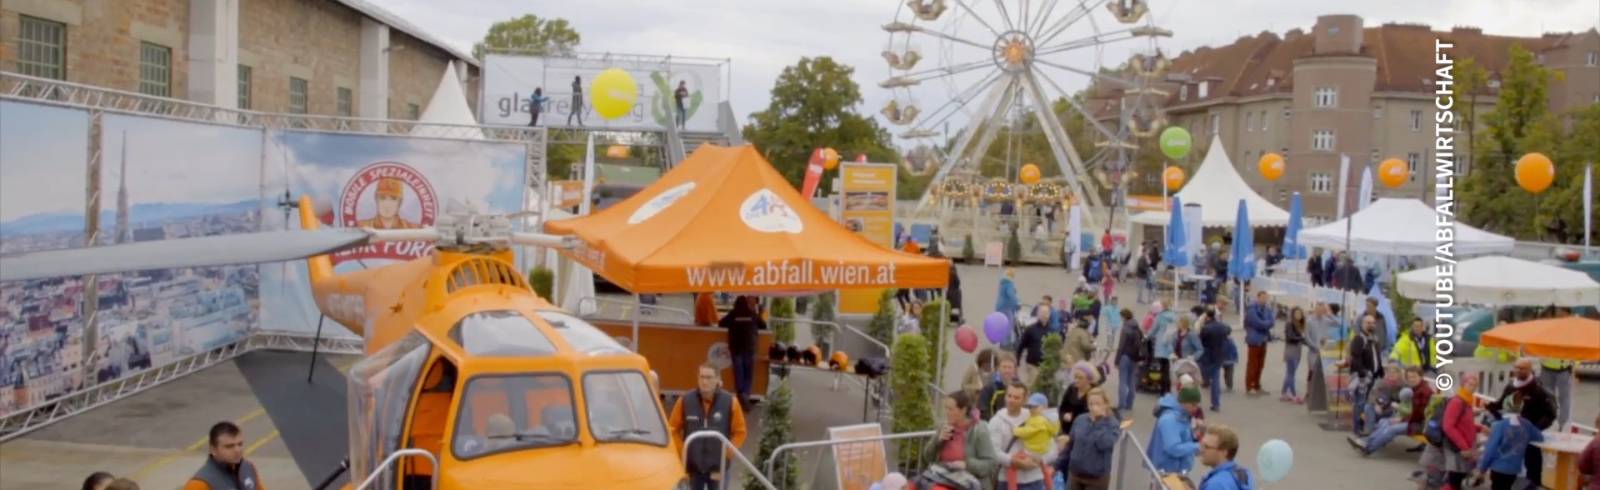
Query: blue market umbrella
[[1292, 249], [1175, 254], [1242, 266]]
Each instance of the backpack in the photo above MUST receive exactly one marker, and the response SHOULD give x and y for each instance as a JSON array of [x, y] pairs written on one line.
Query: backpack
[[1433, 429], [1093, 273]]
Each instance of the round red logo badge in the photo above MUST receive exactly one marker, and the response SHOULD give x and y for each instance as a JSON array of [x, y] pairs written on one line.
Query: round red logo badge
[[387, 196]]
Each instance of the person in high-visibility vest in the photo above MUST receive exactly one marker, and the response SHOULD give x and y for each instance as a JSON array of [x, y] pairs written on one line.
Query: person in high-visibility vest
[[1556, 376]]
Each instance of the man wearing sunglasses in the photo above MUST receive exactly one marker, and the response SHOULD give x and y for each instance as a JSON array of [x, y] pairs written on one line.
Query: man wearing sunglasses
[[1217, 450]]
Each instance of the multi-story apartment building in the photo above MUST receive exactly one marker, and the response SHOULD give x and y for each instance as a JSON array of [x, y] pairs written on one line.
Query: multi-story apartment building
[[341, 57], [1343, 88]]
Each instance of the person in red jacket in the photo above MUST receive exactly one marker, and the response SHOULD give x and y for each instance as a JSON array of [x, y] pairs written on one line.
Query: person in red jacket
[[1461, 433]]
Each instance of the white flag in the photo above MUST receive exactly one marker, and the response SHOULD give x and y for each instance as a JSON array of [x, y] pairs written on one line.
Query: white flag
[[1364, 197], [1344, 182], [1588, 202]]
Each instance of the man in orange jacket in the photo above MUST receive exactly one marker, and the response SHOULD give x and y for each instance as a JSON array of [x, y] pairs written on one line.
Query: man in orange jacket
[[707, 408], [225, 468]]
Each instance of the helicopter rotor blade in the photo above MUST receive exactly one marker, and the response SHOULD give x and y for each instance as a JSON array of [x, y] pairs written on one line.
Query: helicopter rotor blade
[[544, 240], [242, 248]]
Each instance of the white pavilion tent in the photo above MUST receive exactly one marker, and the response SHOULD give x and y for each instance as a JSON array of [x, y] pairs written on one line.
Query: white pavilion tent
[[1505, 281], [1217, 188], [448, 106], [1402, 227]]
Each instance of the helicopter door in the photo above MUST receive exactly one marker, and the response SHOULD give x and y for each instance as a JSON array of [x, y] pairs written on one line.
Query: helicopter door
[[429, 420], [380, 394]]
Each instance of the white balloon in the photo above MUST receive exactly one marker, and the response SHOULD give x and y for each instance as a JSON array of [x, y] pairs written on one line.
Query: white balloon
[[1274, 460]]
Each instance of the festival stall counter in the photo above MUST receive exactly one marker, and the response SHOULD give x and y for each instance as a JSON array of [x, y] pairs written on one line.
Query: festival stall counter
[[725, 221]]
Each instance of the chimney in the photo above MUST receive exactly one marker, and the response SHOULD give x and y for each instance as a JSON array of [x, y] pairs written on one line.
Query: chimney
[[1338, 34]]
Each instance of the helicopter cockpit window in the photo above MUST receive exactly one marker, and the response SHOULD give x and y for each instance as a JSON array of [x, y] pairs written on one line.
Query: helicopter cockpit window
[[510, 412], [501, 333], [622, 408], [584, 337]]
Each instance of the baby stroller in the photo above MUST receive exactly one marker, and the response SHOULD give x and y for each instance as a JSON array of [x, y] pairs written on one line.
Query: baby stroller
[[1151, 377]]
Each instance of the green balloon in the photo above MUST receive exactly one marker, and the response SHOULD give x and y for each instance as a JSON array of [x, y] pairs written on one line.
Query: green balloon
[[1175, 142]]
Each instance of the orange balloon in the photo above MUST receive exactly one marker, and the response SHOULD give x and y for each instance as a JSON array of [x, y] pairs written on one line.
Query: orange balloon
[[1271, 166], [1393, 172], [1029, 174], [1174, 177], [1535, 172], [830, 158]]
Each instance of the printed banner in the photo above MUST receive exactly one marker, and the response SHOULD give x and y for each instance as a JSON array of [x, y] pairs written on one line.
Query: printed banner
[[509, 83], [858, 465], [867, 192], [373, 181]]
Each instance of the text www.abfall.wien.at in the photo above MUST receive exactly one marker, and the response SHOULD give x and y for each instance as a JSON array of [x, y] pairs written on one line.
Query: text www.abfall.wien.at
[[795, 273]]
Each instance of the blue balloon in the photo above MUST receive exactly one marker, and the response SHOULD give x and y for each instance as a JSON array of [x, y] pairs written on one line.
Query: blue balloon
[[1274, 460], [997, 327]]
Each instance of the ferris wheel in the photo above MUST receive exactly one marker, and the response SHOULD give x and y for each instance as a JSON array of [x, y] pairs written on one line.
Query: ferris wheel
[[992, 66]]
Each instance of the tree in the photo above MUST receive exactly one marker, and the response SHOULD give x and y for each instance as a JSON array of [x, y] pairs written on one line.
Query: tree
[[1014, 248], [1404, 308], [775, 432], [1520, 123], [1045, 382], [812, 106], [934, 314], [968, 253], [1472, 81], [881, 326], [782, 324], [1561, 206], [822, 314], [530, 35], [541, 279], [912, 410]]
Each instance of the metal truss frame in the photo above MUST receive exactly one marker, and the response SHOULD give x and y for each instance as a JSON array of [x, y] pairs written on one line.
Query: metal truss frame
[[34, 418]]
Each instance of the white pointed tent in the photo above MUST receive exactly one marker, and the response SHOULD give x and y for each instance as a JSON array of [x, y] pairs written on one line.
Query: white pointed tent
[[448, 106], [1217, 188], [1397, 226]]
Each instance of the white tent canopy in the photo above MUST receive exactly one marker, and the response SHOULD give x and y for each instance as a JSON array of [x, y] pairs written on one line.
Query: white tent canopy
[[1505, 281], [448, 106], [1396, 226], [1217, 188]]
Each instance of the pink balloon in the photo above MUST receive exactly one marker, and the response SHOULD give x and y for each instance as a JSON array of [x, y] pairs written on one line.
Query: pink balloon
[[967, 339]]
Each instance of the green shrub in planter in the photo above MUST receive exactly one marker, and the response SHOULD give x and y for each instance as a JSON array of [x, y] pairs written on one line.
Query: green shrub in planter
[[1014, 248], [775, 432], [912, 410], [881, 326], [781, 314], [542, 280], [931, 314], [968, 252], [1046, 381], [822, 311]]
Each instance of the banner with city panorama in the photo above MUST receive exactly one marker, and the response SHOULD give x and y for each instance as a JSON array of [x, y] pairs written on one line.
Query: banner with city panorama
[[166, 179]]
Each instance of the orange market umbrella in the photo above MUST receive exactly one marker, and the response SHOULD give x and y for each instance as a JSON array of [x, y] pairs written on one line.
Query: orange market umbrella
[[725, 220], [1572, 338]]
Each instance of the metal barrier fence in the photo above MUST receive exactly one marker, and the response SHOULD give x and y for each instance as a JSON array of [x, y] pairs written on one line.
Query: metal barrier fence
[[728, 447], [1131, 468], [817, 455]]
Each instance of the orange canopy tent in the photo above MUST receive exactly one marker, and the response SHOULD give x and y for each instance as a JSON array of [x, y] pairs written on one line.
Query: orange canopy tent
[[725, 220], [1571, 338]]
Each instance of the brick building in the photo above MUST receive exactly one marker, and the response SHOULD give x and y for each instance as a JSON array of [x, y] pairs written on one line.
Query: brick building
[[1367, 92], [330, 57]]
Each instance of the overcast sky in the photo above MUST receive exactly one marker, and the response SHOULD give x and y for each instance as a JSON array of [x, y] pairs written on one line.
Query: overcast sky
[[763, 36]]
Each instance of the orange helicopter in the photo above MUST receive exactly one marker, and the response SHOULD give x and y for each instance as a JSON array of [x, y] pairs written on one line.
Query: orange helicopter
[[463, 360]]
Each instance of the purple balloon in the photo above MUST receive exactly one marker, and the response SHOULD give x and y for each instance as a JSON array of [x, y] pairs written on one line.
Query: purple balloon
[[997, 327]]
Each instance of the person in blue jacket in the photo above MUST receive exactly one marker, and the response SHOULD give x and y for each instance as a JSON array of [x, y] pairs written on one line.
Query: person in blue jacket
[[1217, 450], [1503, 456], [1006, 301], [1258, 320], [1172, 445]]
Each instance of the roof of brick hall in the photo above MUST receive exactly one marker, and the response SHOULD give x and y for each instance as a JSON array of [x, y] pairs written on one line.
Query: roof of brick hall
[[1404, 54]]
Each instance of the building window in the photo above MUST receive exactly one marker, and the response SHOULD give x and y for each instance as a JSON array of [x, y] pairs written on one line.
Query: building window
[[414, 111], [1321, 183], [1203, 87], [1322, 140], [155, 69], [1326, 97], [297, 95], [1285, 112], [345, 102], [1594, 59], [1412, 160], [42, 48], [1374, 158], [1183, 93], [244, 86], [1263, 120], [1249, 122], [1216, 123], [1416, 120], [1377, 110]]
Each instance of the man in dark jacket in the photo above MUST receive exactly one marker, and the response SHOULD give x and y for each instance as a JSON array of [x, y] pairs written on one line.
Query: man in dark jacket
[[744, 323], [1130, 341], [1258, 321], [1538, 407], [1363, 364], [706, 408], [225, 467], [1030, 348], [1215, 337]]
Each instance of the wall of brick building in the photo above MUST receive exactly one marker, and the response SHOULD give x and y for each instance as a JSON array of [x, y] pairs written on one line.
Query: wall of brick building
[[414, 71], [319, 42], [104, 36], [1350, 120]]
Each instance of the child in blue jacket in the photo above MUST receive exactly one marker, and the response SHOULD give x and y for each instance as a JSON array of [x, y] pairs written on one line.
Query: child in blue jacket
[[1503, 455]]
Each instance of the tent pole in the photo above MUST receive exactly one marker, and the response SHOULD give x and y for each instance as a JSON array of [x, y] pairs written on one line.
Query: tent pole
[[636, 306]]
